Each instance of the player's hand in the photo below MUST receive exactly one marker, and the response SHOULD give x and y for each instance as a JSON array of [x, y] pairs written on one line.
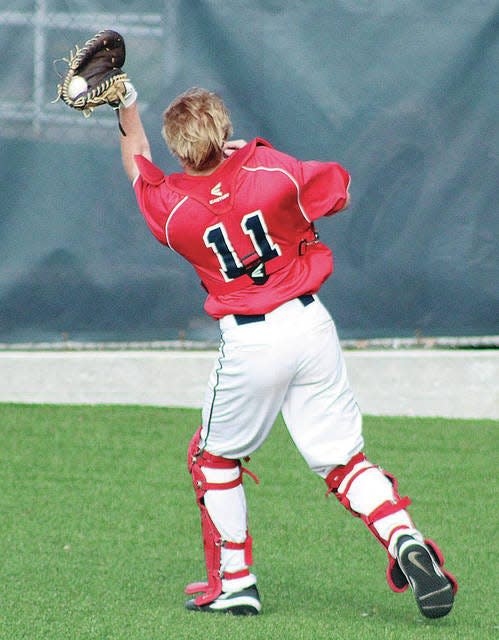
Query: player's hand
[[233, 145]]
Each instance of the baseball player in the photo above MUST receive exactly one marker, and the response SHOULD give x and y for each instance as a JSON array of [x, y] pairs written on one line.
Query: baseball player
[[243, 215]]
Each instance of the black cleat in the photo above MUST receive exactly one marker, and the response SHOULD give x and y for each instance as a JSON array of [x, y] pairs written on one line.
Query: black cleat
[[240, 603], [433, 590]]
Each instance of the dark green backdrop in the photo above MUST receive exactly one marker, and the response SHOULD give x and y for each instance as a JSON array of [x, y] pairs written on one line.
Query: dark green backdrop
[[404, 94]]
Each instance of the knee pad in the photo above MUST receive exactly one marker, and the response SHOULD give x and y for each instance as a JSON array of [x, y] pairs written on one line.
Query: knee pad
[[199, 462]]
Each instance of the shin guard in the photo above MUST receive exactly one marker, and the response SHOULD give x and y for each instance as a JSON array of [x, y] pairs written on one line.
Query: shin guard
[[200, 462], [374, 501]]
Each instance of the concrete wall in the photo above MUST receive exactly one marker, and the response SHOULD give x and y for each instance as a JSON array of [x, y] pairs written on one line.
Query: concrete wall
[[414, 382]]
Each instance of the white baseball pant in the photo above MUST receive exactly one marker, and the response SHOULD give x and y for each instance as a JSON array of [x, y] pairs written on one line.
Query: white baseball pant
[[291, 362]]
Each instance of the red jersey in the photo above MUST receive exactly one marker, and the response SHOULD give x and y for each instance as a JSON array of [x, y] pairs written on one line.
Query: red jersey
[[247, 228]]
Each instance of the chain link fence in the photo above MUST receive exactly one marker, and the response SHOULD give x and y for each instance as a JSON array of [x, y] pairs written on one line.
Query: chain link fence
[[36, 35]]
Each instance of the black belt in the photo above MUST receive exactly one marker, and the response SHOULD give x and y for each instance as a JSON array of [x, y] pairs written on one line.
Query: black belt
[[306, 299]]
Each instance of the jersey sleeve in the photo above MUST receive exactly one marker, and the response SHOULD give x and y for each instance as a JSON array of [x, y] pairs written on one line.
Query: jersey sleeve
[[152, 207], [324, 188]]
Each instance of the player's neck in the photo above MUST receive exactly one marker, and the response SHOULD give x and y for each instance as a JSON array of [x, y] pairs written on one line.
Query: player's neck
[[204, 172]]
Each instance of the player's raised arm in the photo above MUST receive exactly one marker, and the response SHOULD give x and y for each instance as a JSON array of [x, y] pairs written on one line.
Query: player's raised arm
[[95, 77], [133, 139]]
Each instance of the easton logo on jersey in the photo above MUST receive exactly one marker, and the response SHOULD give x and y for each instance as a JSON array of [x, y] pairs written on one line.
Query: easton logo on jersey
[[218, 193], [258, 274]]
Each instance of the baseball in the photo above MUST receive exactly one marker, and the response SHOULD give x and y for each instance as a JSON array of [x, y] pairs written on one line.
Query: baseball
[[77, 86]]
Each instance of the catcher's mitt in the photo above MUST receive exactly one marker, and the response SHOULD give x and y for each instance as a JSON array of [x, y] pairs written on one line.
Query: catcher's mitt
[[95, 76]]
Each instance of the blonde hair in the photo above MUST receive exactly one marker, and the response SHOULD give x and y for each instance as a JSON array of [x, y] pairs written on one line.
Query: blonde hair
[[195, 126]]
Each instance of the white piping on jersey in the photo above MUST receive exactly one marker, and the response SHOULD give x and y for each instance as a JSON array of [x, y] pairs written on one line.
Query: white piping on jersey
[[281, 170], [179, 204]]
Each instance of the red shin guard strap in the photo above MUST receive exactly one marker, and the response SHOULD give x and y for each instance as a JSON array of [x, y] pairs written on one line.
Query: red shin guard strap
[[386, 509], [217, 462], [339, 473], [216, 486], [247, 546], [250, 474], [236, 574], [248, 550], [234, 545]]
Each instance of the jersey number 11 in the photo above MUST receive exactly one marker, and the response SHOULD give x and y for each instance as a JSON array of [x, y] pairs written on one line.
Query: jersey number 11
[[253, 224]]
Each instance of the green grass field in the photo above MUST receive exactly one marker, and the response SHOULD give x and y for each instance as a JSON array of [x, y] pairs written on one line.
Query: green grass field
[[100, 532]]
